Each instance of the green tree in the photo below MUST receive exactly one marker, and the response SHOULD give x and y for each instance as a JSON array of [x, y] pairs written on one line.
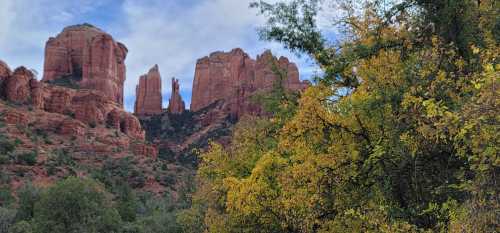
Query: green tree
[[399, 135], [76, 205], [28, 196]]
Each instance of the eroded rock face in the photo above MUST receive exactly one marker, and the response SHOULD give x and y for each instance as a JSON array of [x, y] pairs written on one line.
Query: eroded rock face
[[176, 104], [15, 117], [89, 107], [20, 87], [88, 56], [148, 93], [17, 86], [143, 149], [4, 70], [72, 127], [234, 77]]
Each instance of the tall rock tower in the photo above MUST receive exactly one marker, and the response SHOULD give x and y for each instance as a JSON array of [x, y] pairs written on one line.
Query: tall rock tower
[[148, 94], [176, 104], [88, 56]]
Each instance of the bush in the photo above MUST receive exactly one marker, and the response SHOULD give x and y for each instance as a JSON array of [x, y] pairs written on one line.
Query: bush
[[6, 219], [6, 198], [28, 195], [7, 146], [21, 227], [76, 205], [28, 158]]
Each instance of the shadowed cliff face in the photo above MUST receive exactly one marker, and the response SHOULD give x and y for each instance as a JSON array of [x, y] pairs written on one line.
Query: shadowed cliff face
[[87, 57]]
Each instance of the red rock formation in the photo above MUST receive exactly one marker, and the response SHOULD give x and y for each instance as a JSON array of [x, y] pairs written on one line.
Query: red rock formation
[[143, 149], [21, 86], [4, 70], [17, 86], [148, 93], [37, 91], [93, 108], [131, 126], [126, 123], [234, 77], [15, 117], [176, 104], [4, 74], [72, 127], [90, 57]]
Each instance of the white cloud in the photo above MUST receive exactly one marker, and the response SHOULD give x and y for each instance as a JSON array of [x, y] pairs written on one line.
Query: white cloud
[[25, 26]]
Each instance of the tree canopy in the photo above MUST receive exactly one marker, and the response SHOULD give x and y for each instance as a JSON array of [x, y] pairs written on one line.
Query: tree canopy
[[400, 133]]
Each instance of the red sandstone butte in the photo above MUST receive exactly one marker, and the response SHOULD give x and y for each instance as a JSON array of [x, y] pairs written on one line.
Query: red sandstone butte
[[90, 57], [233, 77], [148, 93], [176, 104]]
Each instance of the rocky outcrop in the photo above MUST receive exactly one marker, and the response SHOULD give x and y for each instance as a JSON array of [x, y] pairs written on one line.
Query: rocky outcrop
[[88, 56], [17, 86], [20, 87], [90, 107], [148, 93], [143, 149], [234, 77], [176, 104], [15, 117], [72, 127], [4, 70]]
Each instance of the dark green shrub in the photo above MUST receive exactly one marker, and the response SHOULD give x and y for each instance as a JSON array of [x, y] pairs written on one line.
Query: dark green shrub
[[166, 154], [6, 198], [6, 219], [76, 205], [28, 195], [7, 146], [21, 227], [27, 158], [126, 203]]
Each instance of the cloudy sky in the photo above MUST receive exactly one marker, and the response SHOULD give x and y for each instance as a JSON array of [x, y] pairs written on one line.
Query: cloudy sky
[[170, 33]]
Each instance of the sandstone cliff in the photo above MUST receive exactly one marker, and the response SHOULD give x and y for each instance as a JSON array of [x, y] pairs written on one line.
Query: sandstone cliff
[[234, 77], [89, 57], [176, 104], [47, 121], [148, 93]]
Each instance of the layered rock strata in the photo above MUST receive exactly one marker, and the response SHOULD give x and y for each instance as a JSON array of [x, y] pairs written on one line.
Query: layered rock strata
[[148, 93], [89, 57], [234, 77]]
